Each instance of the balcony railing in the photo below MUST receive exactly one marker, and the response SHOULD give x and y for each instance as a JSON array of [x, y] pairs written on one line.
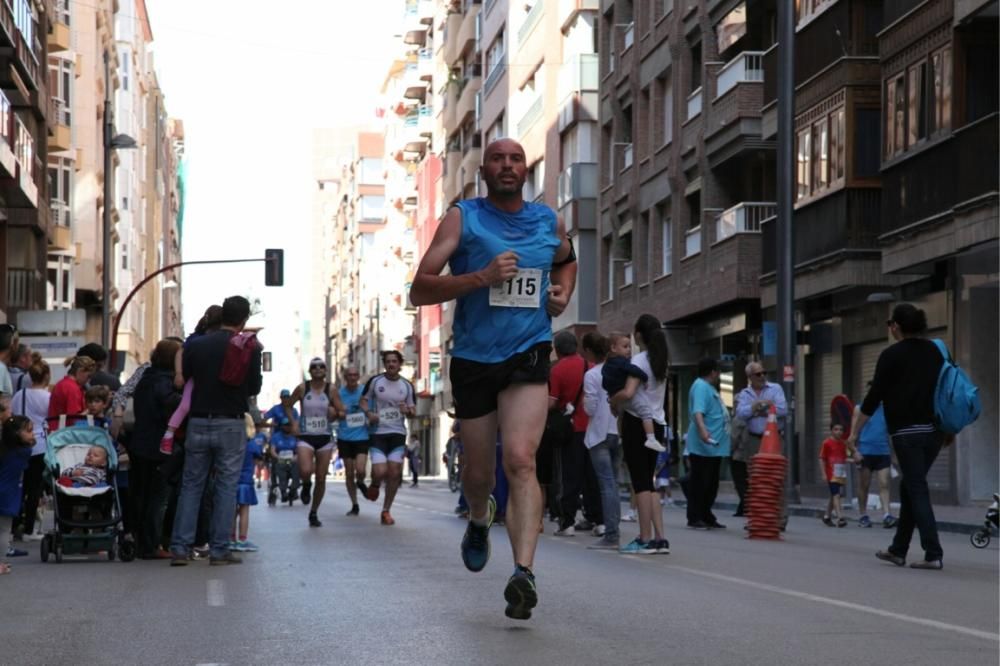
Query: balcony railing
[[694, 104], [494, 76], [578, 181], [530, 116], [530, 21], [62, 215], [747, 66], [579, 74], [21, 285], [743, 218], [692, 242]]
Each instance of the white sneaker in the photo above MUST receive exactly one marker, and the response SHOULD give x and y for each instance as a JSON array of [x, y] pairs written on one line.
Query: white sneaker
[[598, 530], [668, 502], [567, 532], [629, 517], [651, 443]]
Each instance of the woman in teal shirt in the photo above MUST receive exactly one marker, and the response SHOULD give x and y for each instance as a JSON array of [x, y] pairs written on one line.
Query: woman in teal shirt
[[707, 443]]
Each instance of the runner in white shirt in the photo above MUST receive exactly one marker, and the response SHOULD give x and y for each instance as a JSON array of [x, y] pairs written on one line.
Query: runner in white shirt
[[320, 407], [388, 400]]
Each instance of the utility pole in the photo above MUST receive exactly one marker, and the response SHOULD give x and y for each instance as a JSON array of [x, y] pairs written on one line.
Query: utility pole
[[109, 262], [785, 248]]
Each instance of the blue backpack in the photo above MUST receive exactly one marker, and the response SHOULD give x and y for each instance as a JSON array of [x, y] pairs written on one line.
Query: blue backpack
[[956, 398]]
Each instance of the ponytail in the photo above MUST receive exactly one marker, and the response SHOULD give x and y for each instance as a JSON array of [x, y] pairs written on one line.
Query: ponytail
[[655, 341], [77, 363], [39, 370]]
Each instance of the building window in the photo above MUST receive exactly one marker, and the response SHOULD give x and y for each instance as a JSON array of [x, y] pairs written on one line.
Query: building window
[[695, 67], [610, 268], [667, 229], [372, 208], [372, 171], [124, 61], [806, 10], [534, 184], [820, 154], [941, 71], [668, 110], [625, 256], [646, 236], [802, 172], [494, 55], [917, 105]]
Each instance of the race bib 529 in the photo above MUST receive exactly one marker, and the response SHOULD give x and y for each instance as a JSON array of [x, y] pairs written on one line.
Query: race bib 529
[[390, 414]]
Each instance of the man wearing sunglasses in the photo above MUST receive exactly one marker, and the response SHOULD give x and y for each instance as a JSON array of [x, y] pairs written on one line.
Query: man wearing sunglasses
[[752, 407], [320, 407]]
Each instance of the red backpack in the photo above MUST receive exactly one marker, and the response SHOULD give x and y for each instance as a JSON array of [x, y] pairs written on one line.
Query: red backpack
[[239, 351]]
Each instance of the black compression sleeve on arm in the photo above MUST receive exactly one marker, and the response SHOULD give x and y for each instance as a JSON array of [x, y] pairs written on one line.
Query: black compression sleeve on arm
[[570, 258]]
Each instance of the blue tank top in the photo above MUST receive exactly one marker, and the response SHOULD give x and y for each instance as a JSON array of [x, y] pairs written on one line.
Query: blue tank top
[[874, 437], [488, 333], [352, 404]]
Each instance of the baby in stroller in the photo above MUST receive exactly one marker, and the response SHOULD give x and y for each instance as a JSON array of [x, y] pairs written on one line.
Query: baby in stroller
[[91, 472]]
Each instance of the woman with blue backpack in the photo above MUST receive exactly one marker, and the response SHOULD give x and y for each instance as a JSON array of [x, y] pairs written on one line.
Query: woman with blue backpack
[[927, 400]]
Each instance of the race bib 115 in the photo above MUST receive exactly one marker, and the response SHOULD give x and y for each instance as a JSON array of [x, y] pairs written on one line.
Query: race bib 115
[[524, 290]]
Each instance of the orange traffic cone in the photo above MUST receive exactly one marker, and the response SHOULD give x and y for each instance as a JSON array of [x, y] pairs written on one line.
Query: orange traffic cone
[[767, 482], [770, 443]]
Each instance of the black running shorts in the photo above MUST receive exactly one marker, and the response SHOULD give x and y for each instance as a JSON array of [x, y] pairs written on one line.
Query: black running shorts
[[475, 386]]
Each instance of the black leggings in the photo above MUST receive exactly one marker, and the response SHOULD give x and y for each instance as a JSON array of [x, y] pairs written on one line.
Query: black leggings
[[33, 486], [641, 461]]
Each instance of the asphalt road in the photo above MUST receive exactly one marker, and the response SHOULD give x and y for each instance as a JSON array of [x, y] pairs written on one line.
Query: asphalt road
[[354, 592]]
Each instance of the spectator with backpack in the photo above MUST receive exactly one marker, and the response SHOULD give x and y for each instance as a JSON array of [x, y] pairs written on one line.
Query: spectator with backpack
[[216, 435], [907, 379]]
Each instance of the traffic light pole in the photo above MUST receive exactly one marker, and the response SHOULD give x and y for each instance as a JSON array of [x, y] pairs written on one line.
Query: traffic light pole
[[118, 317]]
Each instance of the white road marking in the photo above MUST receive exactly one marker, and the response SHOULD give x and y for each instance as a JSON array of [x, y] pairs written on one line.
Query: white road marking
[[216, 592], [902, 617]]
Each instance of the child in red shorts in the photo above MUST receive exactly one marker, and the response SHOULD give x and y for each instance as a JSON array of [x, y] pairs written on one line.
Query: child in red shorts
[[833, 462]]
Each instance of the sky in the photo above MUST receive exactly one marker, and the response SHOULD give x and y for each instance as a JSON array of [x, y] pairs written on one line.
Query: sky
[[250, 82]]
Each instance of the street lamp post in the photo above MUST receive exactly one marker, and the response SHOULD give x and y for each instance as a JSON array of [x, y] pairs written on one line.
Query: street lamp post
[[111, 142]]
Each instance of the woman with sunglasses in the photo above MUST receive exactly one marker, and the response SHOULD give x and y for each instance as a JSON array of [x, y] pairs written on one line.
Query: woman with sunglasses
[[320, 407]]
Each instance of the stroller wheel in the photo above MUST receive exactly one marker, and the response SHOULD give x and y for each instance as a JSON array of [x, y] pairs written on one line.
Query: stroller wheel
[[44, 548], [980, 538], [126, 551]]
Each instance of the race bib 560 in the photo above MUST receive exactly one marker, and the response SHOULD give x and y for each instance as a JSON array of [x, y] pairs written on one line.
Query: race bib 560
[[356, 420], [521, 291]]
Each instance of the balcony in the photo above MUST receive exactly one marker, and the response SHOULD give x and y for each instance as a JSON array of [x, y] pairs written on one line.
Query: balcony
[[743, 218], [495, 74], [694, 104], [579, 74], [466, 106], [464, 36], [27, 49], [576, 195], [23, 289], [452, 27], [449, 103], [452, 185], [531, 20], [747, 67], [62, 234], [530, 117], [843, 223], [61, 137], [58, 38], [471, 162], [692, 242], [569, 9], [19, 189], [914, 189]]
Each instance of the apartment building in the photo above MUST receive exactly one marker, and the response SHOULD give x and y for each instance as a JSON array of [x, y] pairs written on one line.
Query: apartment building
[[25, 116], [886, 92]]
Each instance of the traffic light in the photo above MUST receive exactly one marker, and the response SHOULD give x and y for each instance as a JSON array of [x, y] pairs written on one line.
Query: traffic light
[[274, 268]]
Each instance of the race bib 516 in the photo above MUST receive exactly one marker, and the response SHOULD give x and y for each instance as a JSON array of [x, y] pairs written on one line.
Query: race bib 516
[[315, 424], [521, 291]]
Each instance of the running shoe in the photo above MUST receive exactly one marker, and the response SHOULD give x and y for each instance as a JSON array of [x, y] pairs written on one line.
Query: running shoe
[[520, 594], [604, 543], [387, 518], [827, 521], [313, 520], [306, 494], [629, 517], [178, 560], [638, 547], [229, 558], [598, 530], [934, 565], [355, 510], [864, 521], [362, 487], [372, 493], [248, 546], [200, 552], [662, 547], [886, 556], [235, 546], [476, 542], [889, 521], [16, 552], [841, 522]]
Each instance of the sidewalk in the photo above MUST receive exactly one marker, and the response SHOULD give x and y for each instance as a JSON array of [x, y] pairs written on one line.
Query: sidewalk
[[955, 519]]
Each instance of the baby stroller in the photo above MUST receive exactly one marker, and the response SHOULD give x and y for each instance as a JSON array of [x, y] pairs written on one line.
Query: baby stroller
[[87, 520], [981, 537]]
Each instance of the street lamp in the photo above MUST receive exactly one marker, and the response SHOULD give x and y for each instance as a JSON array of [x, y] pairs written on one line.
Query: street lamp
[[112, 142]]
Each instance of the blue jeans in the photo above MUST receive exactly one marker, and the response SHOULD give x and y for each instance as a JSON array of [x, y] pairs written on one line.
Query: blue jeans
[[606, 457], [212, 444], [916, 453]]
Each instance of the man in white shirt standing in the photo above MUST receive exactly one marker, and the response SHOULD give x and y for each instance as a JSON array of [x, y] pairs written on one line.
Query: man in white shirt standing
[[601, 439]]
